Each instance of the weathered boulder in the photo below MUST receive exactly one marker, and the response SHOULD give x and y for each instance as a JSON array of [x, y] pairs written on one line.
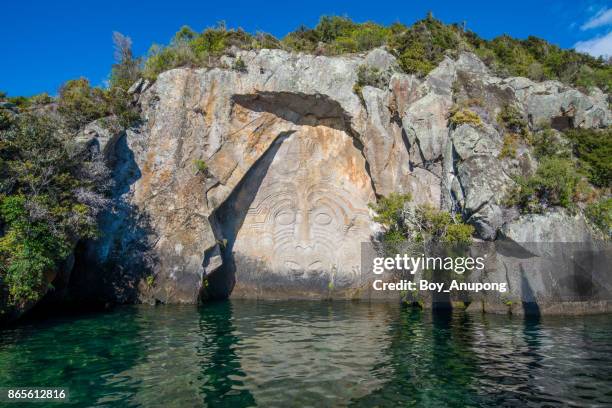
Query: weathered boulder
[[551, 265], [547, 103]]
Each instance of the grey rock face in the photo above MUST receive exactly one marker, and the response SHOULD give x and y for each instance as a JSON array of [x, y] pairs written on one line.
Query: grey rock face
[[551, 265], [292, 158], [100, 137]]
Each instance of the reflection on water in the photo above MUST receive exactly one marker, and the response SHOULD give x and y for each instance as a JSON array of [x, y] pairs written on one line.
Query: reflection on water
[[241, 353]]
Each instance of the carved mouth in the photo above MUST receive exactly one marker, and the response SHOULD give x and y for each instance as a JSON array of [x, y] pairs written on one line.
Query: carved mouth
[[304, 246]]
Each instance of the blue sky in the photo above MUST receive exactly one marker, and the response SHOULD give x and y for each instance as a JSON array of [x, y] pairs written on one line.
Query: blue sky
[[44, 43]]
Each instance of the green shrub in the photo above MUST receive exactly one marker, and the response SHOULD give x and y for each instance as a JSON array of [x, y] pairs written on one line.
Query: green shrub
[[27, 251], [239, 65], [423, 46], [79, 103], [212, 42], [509, 146], [201, 166], [266, 40], [600, 214], [553, 184], [369, 76], [389, 210], [40, 99], [460, 115], [434, 225], [547, 143], [6, 119], [593, 148], [422, 223], [511, 120], [459, 233], [22, 102], [119, 103], [158, 60]]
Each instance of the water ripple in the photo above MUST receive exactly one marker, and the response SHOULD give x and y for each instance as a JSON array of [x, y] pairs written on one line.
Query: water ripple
[[312, 354]]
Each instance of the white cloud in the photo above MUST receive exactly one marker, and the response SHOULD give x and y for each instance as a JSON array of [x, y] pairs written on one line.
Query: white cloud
[[597, 46], [603, 18]]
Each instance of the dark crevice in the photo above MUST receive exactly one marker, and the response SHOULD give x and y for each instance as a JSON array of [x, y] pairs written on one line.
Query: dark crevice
[[228, 218]]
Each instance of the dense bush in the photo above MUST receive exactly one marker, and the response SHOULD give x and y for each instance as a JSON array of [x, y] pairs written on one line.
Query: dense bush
[[50, 193], [419, 48], [568, 162], [51, 188], [460, 115], [554, 184], [593, 148], [336, 35], [422, 46], [191, 49], [548, 143], [600, 214], [79, 103], [422, 223], [368, 76], [511, 121], [433, 225]]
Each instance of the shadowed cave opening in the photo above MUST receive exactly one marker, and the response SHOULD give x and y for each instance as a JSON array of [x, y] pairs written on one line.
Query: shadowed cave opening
[[227, 220]]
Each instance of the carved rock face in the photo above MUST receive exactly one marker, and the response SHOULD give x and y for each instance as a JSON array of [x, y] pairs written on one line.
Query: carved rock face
[[309, 215]]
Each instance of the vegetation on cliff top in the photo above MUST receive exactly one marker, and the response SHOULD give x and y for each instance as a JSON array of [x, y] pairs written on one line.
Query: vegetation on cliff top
[[419, 48]]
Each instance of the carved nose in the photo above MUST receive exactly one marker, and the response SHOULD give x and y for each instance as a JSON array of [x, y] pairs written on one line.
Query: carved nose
[[303, 238]]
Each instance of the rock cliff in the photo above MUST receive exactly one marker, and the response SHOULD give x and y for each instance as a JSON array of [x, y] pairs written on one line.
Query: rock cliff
[[256, 181]]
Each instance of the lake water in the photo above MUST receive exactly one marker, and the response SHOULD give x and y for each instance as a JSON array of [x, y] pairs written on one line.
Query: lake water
[[318, 354]]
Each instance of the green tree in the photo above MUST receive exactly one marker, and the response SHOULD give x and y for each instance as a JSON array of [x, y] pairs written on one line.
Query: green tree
[[50, 193], [80, 104], [126, 69]]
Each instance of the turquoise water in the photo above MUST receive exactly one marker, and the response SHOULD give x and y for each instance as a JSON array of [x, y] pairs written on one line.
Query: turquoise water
[[239, 354]]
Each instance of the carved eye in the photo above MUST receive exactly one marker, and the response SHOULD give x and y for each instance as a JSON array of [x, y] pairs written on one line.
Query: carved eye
[[316, 265], [285, 218], [322, 218]]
